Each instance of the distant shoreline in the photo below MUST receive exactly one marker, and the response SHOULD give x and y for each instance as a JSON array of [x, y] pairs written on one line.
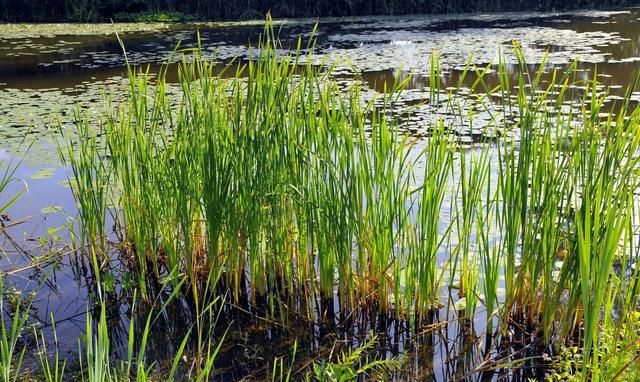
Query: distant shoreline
[[174, 11]]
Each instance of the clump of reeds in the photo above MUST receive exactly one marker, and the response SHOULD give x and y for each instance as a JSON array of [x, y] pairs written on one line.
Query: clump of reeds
[[299, 193]]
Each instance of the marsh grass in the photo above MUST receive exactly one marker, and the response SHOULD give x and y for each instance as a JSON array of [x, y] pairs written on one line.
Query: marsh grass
[[300, 197], [52, 370], [193, 359], [7, 175], [11, 350]]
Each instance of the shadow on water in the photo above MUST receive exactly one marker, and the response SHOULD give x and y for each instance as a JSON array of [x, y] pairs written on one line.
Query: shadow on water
[[444, 347]]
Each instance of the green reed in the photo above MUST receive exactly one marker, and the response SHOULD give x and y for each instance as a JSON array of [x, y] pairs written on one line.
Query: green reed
[[97, 361], [7, 175], [97, 366], [605, 180], [295, 192], [421, 271], [51, 370], [11, 351]]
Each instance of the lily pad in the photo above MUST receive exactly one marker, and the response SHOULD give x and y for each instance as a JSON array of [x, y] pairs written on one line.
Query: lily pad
[[44, 173], [64, 183], [52, 210]]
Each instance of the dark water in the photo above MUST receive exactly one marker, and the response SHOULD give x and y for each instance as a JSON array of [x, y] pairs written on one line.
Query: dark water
[[44, 74]]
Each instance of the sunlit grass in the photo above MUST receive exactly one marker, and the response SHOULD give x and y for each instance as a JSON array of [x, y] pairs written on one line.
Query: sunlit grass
[[299, 194]]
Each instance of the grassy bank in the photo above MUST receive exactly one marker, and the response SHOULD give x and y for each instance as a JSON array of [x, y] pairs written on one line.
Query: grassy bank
[[172, 10]]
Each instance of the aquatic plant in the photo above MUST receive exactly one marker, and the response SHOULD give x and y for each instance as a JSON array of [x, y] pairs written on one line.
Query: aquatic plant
[[277, 187], [51, 370], [97, 366], [90, 180], [11, 350], [351, 366], [7, 172]]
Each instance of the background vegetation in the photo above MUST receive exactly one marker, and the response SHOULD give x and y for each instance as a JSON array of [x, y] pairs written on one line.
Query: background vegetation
[[178, 10]]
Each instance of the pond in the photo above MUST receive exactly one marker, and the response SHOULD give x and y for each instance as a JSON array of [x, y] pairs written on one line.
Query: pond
[[50, 72]]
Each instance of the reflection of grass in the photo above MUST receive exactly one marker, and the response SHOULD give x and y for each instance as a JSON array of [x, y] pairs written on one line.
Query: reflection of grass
[[154, 17], [294, 192], [96, 362]]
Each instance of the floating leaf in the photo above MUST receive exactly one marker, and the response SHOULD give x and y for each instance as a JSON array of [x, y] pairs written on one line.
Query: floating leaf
[[44, 173], [52, 210], [65, 183]]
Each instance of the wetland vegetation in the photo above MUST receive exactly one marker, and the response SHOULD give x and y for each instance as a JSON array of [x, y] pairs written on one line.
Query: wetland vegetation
[[273, 214]]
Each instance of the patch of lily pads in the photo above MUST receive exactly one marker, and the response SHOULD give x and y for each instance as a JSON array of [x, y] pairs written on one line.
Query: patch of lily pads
[[368, 45], [35, 31]]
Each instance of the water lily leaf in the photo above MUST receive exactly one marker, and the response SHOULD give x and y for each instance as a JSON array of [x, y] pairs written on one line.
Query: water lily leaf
[[44, 173], [51, 210], [65, 183]]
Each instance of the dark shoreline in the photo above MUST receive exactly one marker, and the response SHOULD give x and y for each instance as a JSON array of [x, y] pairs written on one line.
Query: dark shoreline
[[194, 10]]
